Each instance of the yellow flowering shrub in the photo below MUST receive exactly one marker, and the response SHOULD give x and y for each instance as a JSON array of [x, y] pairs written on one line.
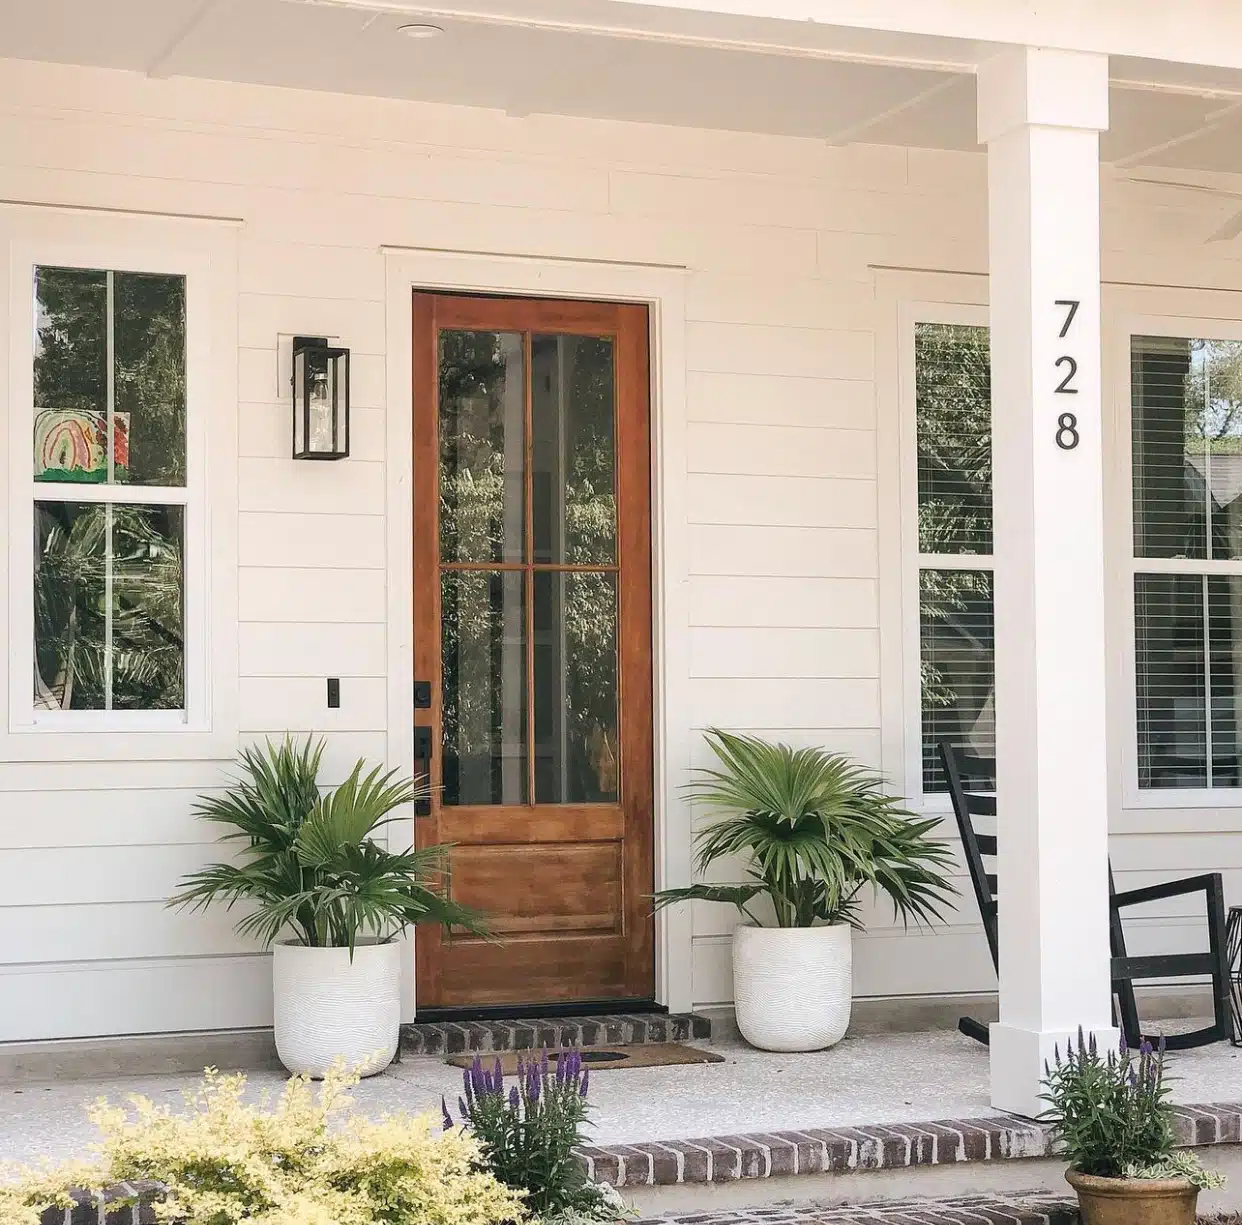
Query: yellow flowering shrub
[[307, 1160]]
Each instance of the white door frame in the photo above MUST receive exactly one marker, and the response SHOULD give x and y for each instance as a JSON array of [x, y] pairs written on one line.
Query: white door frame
[[662, 289]]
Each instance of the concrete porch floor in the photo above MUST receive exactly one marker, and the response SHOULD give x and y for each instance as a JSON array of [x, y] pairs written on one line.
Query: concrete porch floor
[[871, 1079]]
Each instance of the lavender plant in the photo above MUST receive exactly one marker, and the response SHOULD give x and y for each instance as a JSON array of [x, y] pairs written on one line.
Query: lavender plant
[[527, 1135], [1111, 1116]]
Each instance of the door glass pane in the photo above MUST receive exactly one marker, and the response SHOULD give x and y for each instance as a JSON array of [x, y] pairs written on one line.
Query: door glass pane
[[1170, 677], [483, 649], [957, 665], [953, 384], [71, 375], [577, 756], [482, 446], [1187, 423], [108, 607], [573, 450], [149, 342]]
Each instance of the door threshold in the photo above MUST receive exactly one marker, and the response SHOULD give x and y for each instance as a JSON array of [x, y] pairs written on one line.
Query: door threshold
[[527, 1012]]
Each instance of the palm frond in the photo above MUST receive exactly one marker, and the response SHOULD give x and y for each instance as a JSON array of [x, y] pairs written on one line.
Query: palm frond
[[311, 863], [817, 830]]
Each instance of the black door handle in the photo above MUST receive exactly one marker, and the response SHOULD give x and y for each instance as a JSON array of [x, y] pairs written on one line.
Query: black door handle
[[422, 769]]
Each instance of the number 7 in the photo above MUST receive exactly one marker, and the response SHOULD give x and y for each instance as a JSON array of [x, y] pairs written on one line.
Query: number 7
[[1073, 305]]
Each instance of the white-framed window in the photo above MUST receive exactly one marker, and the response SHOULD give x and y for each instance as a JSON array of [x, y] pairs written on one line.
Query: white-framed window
[[1180, 429], [947, 525], [119, 567]]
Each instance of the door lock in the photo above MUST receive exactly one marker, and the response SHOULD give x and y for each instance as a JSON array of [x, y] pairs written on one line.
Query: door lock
[[422, 769]]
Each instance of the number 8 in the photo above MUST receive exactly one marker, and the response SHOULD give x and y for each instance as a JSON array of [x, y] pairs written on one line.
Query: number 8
[[1067, 431]]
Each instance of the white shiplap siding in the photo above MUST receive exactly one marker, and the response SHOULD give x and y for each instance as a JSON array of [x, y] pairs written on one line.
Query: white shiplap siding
[[782, 508]]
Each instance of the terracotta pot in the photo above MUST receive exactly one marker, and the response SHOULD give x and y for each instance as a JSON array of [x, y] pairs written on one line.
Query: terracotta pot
[[1134, 1201]]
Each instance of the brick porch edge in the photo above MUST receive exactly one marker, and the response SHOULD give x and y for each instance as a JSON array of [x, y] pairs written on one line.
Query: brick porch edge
[[458, 1037], [843, 1150], [836, 1150]]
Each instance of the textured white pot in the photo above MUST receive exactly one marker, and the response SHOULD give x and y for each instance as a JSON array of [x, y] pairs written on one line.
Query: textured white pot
[[328, 1007], [792, 986]]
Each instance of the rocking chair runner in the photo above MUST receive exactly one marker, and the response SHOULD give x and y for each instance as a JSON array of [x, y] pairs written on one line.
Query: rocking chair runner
[[972, 785]]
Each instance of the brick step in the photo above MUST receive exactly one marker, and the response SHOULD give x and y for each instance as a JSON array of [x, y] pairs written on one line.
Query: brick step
[[837, 1150], [627, 1029], [1020, 1208], [855, 1150]]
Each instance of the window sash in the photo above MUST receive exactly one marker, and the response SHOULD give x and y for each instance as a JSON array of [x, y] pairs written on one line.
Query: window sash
[[119, 245]]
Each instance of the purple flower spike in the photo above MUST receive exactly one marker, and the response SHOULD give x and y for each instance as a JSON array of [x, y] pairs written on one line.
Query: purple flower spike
[[444, 1113], [461, 1105], [469, 1088], [1146, 1048], [534, 1088], [1124, 1046], [513, 1098], [586, 1076], [543, 1066], [499, 1076], [562, 1066], [478, 1078]]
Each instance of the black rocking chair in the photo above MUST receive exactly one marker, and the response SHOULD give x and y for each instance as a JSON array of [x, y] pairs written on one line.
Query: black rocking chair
[[972, 788]]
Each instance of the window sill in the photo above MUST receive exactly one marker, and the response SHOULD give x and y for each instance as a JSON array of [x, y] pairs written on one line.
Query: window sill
[[1182, 797], [116, 740]]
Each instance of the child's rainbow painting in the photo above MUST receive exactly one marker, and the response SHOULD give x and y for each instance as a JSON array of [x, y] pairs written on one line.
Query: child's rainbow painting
[[70, 444]]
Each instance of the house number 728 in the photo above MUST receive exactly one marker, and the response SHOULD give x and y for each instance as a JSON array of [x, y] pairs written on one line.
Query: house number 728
[[1067, 423]]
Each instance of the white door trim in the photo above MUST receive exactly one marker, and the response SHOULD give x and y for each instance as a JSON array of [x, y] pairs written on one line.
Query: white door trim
[[662, 289]]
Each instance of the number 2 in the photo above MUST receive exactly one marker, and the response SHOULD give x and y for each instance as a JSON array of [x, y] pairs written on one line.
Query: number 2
[[1063, 387]]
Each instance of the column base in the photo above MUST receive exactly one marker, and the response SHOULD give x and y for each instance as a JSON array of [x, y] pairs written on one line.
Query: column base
[[1017, 1058]]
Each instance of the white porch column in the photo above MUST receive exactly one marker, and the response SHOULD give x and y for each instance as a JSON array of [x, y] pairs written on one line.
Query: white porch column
[[1040, 114]]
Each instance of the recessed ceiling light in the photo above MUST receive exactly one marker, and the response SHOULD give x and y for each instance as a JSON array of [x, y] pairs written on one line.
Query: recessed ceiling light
[[421, 29]]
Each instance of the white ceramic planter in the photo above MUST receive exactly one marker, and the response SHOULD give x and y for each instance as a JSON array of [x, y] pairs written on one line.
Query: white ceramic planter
[[792, 986], [328, 1007]]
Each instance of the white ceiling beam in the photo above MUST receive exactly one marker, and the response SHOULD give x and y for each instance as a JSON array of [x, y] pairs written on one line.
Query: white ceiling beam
[[160, 66], [1217, 119], [855, 130]]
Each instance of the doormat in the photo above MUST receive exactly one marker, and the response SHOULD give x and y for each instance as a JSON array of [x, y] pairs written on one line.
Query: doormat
[[602, 1058]]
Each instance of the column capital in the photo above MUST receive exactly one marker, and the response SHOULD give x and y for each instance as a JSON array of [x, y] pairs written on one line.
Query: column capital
[[1041, 87]]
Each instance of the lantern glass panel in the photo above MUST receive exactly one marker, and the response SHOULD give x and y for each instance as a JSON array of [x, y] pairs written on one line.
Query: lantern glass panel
[[321, 404], [299, 402]]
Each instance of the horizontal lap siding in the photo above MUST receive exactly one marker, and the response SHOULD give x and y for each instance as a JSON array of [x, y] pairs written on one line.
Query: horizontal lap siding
[[782, 504], [781, 463]]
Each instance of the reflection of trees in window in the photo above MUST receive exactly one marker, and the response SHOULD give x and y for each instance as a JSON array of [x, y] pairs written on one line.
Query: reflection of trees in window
[[954, 459], [1186, 425], [481, 446], [953, 390], [93, 560], [108, 573]]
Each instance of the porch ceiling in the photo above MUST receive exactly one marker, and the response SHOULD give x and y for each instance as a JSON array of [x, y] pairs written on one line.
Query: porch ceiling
[[601, 59]]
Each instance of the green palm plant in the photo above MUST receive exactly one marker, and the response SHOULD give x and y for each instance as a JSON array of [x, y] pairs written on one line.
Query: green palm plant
[[816, 830], [311, 863]]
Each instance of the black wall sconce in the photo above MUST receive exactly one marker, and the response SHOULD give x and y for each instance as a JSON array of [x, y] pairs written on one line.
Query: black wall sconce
[[320, 399]]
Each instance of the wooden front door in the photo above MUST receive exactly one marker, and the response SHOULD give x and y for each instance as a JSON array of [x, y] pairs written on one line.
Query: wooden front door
[[532, 631]]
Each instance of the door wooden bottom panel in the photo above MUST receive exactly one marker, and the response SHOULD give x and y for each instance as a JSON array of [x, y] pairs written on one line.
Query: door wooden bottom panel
[[533, 971]]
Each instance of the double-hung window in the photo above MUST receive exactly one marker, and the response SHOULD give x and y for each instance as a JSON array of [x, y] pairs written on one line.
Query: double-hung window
[[107, 457], [1186, 464], [953, 435]]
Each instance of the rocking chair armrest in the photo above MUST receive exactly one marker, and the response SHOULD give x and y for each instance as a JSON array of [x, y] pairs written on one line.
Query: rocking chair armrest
[[1209, 883]]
